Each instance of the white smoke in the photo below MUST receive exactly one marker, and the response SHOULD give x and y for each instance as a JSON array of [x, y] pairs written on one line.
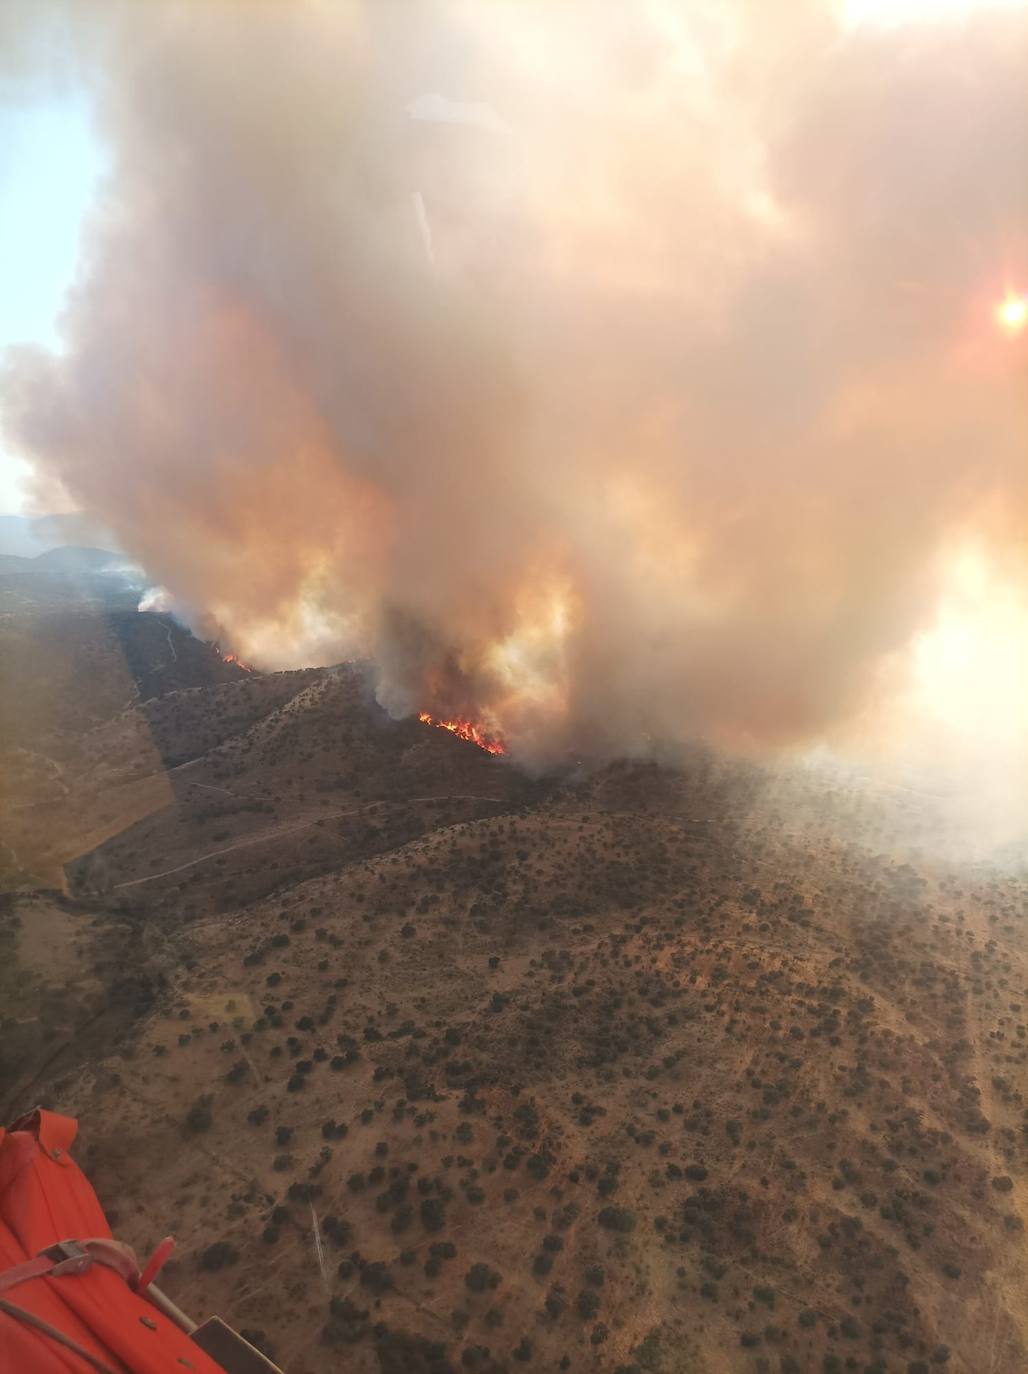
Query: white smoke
[[158, 600], [644, 385]]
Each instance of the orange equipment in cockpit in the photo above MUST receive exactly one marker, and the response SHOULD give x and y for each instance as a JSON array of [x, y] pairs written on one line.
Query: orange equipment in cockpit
[[73, 1300]]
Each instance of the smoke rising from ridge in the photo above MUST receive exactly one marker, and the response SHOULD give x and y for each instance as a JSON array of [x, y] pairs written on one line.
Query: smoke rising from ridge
[[608, 373]]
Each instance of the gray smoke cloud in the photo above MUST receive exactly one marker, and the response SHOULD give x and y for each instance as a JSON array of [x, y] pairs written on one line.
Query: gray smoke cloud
[[613, 373]]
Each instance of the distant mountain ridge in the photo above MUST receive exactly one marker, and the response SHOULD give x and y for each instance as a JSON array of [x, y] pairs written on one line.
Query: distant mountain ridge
[[27, 536], [70, 558]]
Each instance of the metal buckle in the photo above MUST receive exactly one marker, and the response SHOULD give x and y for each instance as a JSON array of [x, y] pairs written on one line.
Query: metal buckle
[[69, 1257]]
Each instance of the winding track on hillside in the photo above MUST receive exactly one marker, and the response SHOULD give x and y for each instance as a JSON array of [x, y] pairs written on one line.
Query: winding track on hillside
[[297, 825]]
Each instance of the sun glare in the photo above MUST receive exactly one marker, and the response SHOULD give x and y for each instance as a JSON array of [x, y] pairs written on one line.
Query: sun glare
[[1012, 312], [970, 668]]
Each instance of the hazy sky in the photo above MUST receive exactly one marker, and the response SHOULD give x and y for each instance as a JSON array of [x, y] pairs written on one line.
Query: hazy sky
[[50, 163]]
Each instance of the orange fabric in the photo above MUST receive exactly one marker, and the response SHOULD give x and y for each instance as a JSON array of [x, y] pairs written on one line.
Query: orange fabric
[[21, 1347], [45, 1198]]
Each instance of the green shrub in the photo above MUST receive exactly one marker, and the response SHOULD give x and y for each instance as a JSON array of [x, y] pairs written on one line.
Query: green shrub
[[587, 1304], [480, 1277], [218, 1256], [617, 1219], [200, 1117]]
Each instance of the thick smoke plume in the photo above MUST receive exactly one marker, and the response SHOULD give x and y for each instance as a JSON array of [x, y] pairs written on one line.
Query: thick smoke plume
[[612, 373]]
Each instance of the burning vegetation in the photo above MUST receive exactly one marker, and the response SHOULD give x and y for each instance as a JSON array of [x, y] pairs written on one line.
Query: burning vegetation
[[233, 658], [466, 729]]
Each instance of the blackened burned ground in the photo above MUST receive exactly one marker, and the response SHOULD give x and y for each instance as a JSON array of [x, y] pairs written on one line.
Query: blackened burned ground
[[435, 1067]]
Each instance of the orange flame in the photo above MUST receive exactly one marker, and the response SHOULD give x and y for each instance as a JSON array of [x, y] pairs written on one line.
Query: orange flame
[[233, 658], [466, 729]]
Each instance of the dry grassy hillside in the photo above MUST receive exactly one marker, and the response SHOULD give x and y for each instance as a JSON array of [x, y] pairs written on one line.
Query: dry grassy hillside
[[431, 1066]]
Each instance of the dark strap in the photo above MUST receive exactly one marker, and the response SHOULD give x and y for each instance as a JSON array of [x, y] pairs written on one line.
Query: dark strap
[[30, 1319]]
